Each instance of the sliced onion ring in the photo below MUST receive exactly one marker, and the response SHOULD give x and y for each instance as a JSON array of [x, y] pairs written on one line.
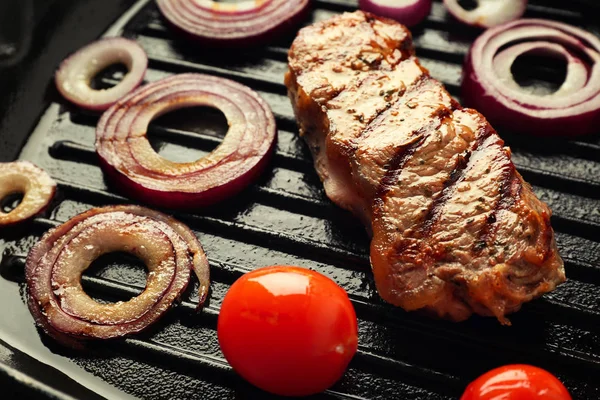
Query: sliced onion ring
[[489, 86], [54, 266], [234, 24], [75, 74], [488, 13], [407, 12], [129, 160], [34, 183]]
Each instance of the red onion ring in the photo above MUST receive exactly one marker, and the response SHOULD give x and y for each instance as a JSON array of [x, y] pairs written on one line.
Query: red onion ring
[[489, 86], [233, 24], [407, 12], [55, 264], [36, 185], [128, 158], [488, 13], [77, 71]]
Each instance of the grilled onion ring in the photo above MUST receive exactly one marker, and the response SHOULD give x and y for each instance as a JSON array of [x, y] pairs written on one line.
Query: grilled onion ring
[[489, 86], [36, 185], [407, 12], [233, 24], [55, 264], [128, 158], [488, 13], [77, 71]]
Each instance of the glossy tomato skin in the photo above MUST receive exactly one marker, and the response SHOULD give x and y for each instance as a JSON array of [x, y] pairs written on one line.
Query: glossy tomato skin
[[516, 382], [288, 330]]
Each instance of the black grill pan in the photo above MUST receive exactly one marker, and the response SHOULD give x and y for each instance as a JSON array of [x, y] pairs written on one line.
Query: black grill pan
[[283, 219]]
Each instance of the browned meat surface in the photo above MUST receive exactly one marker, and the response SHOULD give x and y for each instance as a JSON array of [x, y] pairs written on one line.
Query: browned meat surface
[[455, 229]]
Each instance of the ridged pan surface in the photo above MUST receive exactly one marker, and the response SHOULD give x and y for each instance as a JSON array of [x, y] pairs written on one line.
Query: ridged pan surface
[[285, 218]]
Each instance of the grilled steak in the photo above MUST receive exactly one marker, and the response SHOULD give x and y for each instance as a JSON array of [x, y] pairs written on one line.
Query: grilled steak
[[455, 229]]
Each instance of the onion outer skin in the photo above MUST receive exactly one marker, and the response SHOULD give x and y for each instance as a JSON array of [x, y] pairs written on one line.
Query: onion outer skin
[[44, 298], [571, 115], [410, 14], [488, 13], [75, 73], [142, 174], [227, 24], [37, 186]]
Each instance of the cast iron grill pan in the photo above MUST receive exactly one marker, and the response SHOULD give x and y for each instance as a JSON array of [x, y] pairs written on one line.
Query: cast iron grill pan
[[285, 218]]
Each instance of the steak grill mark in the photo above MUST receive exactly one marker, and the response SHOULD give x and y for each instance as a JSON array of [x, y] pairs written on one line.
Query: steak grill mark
[[404, 153], [435, 210], [510, 189]]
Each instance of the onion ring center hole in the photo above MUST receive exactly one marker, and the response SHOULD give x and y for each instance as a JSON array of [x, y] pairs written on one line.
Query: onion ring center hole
[[109, 77], [11, 201], [468, 5], [187, 134], [119, 267], [539, 74]]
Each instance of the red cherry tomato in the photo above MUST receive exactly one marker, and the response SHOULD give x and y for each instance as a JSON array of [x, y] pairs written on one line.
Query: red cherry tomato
[[516, 382], [288, 330]]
